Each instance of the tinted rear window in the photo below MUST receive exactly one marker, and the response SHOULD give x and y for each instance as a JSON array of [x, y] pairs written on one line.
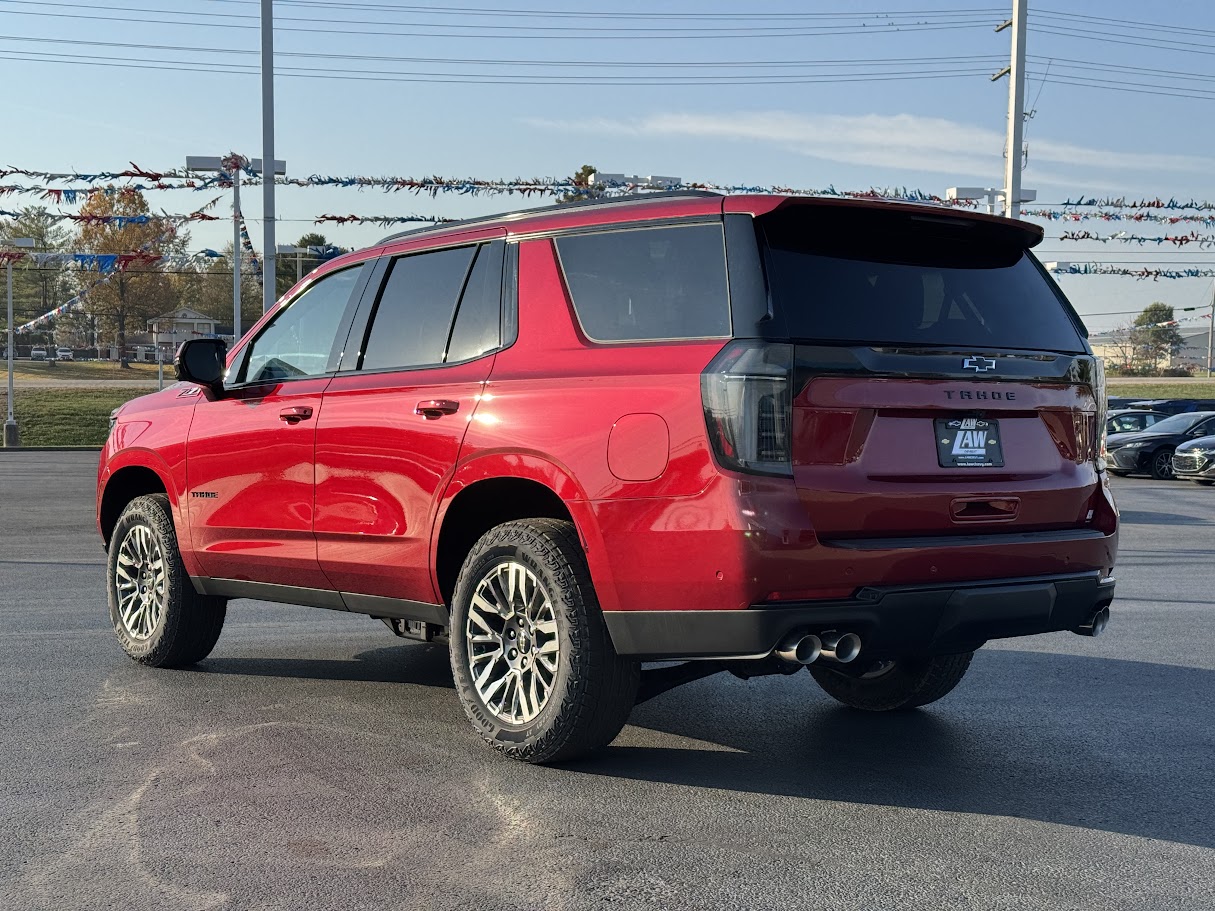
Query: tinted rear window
[[873, 279], [648, 283], [412, 321]]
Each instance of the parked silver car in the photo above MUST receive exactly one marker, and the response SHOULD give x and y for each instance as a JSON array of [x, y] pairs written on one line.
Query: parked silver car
[[1195, 461]]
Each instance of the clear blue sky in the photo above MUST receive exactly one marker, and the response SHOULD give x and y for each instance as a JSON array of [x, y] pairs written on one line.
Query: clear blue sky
[[928, 133]]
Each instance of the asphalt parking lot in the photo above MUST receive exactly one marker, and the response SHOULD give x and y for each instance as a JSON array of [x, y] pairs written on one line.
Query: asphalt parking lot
[[315, 762]]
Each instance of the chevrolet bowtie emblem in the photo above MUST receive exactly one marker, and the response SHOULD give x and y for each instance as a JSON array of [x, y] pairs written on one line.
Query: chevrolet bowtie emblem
[[979, 364]]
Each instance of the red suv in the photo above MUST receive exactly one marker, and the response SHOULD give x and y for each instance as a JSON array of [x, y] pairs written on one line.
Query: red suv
[[746, 433]]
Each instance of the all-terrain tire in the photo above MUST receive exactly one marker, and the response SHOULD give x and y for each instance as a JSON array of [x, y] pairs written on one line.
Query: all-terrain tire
[[187, 624], [906, 683], [593, 689]]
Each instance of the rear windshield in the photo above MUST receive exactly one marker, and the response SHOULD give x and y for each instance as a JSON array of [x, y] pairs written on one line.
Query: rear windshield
[[874, 278]]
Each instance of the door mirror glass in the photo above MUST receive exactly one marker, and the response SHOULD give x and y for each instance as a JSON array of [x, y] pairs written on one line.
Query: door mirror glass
[[202, 361]]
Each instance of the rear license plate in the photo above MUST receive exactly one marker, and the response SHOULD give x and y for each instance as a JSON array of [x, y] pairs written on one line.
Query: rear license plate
[[969, 443]]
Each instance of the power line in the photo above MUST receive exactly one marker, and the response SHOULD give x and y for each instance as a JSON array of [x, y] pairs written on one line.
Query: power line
[[499, 61], [1115, 38], [978, 17], [584, 33], [557, 13], [481, 79], [1133, 24]]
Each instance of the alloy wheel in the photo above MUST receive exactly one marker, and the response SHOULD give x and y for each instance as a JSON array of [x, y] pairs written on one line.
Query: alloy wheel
[[141, 580], [1164, 465], [513, 647]]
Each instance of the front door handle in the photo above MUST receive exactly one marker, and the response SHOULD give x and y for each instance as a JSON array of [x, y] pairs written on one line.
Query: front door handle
[[296, 413], [436, 408]]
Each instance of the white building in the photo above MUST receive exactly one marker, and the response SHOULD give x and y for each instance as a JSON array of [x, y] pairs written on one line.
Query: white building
[[171, 329]]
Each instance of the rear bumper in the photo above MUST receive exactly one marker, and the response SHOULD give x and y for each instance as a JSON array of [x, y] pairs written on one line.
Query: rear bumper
[[891, 621]]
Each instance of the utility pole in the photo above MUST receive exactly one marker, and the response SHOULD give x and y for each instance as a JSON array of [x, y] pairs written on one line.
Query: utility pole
[[1016, 109], [12, 437], [269, 282], [1211, 333]]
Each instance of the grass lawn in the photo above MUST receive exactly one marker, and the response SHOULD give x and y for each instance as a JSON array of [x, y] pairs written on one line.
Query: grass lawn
[[65, 417], [84, 370], [1164, 390]]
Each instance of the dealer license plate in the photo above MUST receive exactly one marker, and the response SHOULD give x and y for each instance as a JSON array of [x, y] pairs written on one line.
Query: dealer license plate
[[969, 443]]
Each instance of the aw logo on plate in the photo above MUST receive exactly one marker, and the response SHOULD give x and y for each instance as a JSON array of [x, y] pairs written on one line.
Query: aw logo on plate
[[970, 440], [969, 443]]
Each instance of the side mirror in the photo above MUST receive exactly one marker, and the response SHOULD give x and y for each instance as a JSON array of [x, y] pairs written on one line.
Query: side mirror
[[202, 361]]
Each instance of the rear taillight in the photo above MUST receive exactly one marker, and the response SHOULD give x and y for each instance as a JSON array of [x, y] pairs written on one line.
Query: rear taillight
[[748, 401], [1102, 409]]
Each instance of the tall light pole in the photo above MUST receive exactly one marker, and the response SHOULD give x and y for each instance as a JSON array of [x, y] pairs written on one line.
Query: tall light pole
[[1016, 107], [1211, 334], [268, 285], [11, 436], [232, 165]]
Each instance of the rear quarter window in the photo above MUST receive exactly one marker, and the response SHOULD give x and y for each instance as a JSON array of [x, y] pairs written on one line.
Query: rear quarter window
[[648, 284]]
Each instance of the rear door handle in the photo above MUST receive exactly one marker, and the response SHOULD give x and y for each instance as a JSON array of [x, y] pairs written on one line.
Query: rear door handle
[[436, 408], [296, 413]]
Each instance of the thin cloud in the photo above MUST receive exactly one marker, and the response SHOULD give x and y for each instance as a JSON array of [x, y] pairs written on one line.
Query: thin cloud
[[902, 141]]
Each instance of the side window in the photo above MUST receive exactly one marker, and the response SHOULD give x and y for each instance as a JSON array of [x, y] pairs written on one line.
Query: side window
[[478, 325], [300, 339], [648, 283], [411, 322]]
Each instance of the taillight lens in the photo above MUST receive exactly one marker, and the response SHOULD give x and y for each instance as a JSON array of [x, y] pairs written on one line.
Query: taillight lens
[[1102, 410], [748, 400]]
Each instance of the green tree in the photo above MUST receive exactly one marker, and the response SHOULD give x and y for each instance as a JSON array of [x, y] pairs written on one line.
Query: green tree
[[285, 265], [1155, 335], [132, 296], [38, 290], [582, 178], [207, 288]]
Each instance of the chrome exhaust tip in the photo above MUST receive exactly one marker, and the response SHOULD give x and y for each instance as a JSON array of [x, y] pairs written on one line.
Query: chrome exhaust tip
[[840, 647], [799, 648], [1096, 624]]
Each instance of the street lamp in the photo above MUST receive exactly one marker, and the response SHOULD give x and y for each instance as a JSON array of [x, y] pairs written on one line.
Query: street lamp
[[231, 165], [11, 436], [990, 194]]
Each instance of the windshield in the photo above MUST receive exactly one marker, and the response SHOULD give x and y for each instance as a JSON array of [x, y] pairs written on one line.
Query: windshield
[[876, 279], [1179, 423]]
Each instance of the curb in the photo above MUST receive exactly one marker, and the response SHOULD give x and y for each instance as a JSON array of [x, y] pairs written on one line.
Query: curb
[[50, 449]]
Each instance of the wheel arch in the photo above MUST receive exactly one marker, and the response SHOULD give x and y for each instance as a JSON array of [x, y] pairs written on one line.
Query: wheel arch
[[504, 487], [122, 485]]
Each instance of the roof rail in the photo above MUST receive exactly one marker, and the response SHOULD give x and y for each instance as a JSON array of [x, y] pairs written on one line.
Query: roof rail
[[557, 207]]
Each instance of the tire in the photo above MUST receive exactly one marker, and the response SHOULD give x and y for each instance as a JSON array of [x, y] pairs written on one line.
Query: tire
[[173, 625], [583, 691], [1162, 465], [905, 683]]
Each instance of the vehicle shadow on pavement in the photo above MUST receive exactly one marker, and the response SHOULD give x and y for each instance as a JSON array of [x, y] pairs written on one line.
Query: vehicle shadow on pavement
[[1120, 746], [418, 665]]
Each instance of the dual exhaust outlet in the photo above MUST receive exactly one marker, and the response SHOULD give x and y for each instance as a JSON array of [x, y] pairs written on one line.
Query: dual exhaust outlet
[[806, 648]]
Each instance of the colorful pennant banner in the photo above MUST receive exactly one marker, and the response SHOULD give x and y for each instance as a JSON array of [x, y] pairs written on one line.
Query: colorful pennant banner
[[1122, 202], [1203, 241], [1144, 273]]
